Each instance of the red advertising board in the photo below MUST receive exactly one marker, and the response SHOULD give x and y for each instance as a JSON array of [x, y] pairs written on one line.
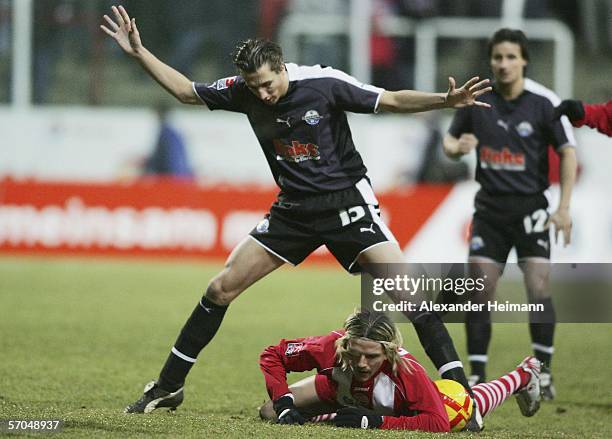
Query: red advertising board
[[162, 217]]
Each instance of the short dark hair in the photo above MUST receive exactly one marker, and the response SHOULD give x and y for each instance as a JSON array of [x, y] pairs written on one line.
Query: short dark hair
[[251, 54], [513, 36]]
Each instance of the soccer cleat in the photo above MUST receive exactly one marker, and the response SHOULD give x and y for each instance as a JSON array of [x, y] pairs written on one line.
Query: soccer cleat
[[547, 388], [528, 398], [475, 424], [153, 398], [475, 379]]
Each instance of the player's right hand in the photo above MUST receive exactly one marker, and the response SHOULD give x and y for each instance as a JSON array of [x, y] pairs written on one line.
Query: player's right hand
[[286, 411], [124, 31], [466, 143]]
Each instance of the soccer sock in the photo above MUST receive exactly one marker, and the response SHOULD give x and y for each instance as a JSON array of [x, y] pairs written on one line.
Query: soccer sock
[[478, 331], [542, 330], [200, 328], [438, 345], [491, 394]]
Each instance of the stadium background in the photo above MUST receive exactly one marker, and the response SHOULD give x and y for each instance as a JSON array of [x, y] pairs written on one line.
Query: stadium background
[[99, 265]]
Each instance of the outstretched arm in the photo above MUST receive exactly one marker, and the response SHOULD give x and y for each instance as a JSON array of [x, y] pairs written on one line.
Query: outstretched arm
[[124, 31], [411, 101]]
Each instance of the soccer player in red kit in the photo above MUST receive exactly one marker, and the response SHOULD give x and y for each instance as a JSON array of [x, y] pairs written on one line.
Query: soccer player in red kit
[[366, 379], [597, 116]]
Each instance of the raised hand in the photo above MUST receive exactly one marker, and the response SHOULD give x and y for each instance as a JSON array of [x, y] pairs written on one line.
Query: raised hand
[[123, 30], [466, 95]]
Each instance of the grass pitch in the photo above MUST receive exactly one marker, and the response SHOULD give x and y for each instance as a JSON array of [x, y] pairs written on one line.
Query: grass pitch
[[79, 339]]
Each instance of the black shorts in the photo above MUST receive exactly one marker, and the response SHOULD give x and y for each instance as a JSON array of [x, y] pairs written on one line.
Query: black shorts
[[347, 222], [521, 225]]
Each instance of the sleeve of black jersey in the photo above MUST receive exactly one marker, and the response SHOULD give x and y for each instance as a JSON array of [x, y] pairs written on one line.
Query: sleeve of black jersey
[[462, 122], [223, 94], [350, 95], [558, 132]]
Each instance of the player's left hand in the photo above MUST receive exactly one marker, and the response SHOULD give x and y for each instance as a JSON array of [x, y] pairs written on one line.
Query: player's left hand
[[563, 223], [466, 95], [357, 417]]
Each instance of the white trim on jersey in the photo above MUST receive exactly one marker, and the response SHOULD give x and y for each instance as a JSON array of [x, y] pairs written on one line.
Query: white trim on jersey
[[297, 72], [366, 192], [272, 251], [540, 90], [182, 356], [383, 395], [193, 86]]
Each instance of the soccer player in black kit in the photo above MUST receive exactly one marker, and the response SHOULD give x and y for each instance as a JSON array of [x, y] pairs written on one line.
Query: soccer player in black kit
[[298, 116], [511, 141]]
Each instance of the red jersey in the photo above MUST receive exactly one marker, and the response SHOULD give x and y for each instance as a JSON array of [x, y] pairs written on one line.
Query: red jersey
[[598, 116], [407, 399]]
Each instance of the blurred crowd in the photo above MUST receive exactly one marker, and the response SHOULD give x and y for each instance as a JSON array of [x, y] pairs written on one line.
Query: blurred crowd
[[196, 37]]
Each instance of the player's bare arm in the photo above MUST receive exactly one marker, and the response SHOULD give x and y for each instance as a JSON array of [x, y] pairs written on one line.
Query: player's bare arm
[[567, 174], [412, 101], [124, 31], [456, 148]]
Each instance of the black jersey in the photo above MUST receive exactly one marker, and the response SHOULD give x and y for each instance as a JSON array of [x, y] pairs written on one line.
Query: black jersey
[[305, 136], [513, 138]]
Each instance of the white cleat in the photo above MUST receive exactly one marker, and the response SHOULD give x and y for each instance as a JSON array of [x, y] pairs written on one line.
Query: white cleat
[[528, 398]]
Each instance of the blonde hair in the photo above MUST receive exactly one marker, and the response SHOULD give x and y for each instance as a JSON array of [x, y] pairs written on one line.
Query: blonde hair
[[374, 326]]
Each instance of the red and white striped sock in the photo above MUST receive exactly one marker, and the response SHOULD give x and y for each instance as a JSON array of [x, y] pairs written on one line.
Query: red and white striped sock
[[323, 418], [491, 394]]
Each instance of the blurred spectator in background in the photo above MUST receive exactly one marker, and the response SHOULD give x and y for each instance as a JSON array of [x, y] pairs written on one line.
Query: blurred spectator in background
[[169, 157], [5, 49], [207, 30], [598, 116], [57, 24], [322, 49]]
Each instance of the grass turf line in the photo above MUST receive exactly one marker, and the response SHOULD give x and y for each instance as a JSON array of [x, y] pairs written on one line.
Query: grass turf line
[[79, 339]]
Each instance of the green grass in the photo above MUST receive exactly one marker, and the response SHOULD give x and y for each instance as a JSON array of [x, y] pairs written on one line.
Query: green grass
[[79, 339]]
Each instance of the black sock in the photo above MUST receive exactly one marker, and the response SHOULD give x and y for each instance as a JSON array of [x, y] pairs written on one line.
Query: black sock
[[542, 330], [438, 345], [478, 332], [199, 330]]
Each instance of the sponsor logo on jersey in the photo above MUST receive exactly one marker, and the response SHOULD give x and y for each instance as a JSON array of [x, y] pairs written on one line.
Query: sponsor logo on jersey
[[476, 243], [294, 349], [312, 117], [524, 129], [501, 160], [296, 152], [222, 84], [263, 226]]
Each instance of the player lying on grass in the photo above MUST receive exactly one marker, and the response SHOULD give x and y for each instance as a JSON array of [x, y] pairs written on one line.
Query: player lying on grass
[[298, 114], [365, 379]]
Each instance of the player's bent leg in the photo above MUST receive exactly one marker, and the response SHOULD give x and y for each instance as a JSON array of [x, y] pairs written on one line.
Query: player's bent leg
[[247, 263], [306, 400], [536, 273]]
